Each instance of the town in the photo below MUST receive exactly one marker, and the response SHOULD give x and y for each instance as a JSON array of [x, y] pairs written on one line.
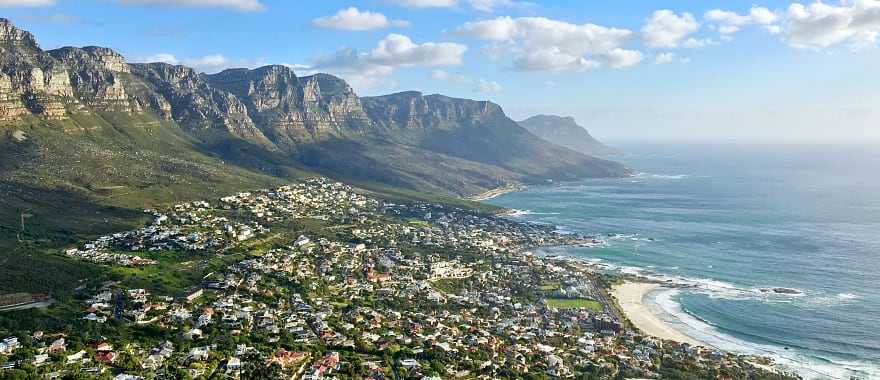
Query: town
[[321, 281]]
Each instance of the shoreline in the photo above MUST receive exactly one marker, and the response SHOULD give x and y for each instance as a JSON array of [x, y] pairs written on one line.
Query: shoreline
[[630, 298], [495, 193]]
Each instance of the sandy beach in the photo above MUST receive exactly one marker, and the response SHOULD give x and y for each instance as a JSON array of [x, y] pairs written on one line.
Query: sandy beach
[[630, 298], [495, 192]]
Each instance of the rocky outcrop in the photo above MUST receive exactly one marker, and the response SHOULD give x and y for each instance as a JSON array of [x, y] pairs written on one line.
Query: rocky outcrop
[[194, 103], [271, 120], [412, 111], [94, 77], [564, 131], [292, 110], [478, 131], [32, 81]]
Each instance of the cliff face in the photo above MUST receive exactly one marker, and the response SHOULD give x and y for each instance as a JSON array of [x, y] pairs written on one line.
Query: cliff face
[[93, 75], [31, 81], [292, 110], [193, 103], [564, 131], [479, 131], [411, 112], [271, 120]]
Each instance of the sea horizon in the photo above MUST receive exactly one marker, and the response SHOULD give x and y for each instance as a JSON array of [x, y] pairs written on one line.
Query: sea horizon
[[734, 222]]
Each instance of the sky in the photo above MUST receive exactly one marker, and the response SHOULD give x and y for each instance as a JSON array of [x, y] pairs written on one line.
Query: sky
[[764, 70]]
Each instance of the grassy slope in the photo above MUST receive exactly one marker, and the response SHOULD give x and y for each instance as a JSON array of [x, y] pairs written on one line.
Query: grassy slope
[[80, 178]]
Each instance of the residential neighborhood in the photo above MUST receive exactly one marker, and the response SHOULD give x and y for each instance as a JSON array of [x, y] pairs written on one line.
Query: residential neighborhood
[[320, 281]]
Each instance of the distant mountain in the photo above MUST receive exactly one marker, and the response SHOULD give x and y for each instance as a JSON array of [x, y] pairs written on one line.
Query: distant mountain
[[565, 131], [85, 121]]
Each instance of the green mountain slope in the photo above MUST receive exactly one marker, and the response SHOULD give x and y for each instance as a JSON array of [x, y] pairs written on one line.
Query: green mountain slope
[[83, 124]]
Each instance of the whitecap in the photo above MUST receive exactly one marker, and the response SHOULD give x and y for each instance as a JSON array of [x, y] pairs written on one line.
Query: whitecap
[[660, 176], [664, 304]]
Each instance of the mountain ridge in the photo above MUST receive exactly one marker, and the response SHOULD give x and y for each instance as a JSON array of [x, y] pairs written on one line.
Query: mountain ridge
[[565, 131], [269, 119]]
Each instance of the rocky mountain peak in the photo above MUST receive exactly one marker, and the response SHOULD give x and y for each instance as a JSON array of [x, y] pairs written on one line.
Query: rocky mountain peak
[[291, 109], [413, 110], [108, 58], [565, 131], [11, 35], [100, 57]]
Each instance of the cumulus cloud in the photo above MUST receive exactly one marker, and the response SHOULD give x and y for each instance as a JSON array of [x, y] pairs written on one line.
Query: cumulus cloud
[[666, 29], [490, 5], [488, 86], [163, 58], [400, 50], [663, 58], [353, 19], [211, 63], [542, 44], [370, 68], [478, 5], [621, 58], [426, 3], [728, 22], [669, 57], [819, 25], [239, 5], [26, 3], [477, 84]]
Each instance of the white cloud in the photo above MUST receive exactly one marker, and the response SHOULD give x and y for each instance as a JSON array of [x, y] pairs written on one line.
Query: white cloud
[[399, 50], [426, 3], [353, 19], [693, 43], [478, 85], [478, 5], [820, 25], [211, 63], [669, 57], [542, 44], [164, 58], [239, 5], [368, 69], [763, 16], [26, 3], [666, 29], [621, 58], [488, 86], [490, 6], [728, 22], [728, 29], [553, 59], [664, 58], [216, 60]]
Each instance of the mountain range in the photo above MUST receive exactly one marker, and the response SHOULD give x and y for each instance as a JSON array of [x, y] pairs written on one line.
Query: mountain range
[[84, 122], [565, 131]]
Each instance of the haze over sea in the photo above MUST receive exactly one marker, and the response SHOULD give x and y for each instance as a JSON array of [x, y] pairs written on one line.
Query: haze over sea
[[735, 221]]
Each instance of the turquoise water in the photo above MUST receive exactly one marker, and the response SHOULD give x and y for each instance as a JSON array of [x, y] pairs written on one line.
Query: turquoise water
[[733, 221]]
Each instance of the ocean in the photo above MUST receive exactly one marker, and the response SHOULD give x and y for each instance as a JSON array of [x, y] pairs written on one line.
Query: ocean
[[779, 244]]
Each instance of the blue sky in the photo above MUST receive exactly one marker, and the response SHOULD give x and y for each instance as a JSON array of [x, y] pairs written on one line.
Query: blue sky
[[698, 69]]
